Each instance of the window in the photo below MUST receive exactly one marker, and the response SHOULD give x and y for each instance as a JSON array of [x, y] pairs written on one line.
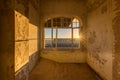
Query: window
[[62, 33]]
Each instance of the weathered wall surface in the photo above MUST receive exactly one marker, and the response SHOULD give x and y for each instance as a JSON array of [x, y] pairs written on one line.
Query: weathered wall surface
[[64, 56], [21, 40], [26, 37], [7, 40], [34, 24], [116, 30], [21, 46], [100, 37], [21, 43]]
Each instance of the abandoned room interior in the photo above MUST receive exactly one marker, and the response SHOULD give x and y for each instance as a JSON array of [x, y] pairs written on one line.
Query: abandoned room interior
[[60, 39]]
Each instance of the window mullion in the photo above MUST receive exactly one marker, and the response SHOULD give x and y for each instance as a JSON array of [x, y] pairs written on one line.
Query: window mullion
[[52, 31], [79, 35], [72, 33], [72, 38], [56, 37], [43, 36]]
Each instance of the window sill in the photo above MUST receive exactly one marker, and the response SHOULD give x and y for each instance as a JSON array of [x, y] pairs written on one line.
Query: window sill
[[55, 49]]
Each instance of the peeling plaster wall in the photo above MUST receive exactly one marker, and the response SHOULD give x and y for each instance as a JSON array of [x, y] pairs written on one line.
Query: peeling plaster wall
[[34, 24], [7, 40], [21, 46], [21, 40], [26, 37], [100, 38], [21, 43], [116, 30]]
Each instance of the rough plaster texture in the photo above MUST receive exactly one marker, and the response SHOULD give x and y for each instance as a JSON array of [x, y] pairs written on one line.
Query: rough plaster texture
[[94, 4], [21, 46], [100, 39], [22, 74], [21, 54], [64, 56], [33, 35], [116, 29], [19, 29], [26, 37]]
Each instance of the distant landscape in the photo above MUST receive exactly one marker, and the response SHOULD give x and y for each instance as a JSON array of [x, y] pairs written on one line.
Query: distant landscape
[[62, 43]]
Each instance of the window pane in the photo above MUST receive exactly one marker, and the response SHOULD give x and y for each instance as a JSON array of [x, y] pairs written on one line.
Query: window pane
[[76, 38], [48, 38], [64, 38], [75, 24], [54, 37]]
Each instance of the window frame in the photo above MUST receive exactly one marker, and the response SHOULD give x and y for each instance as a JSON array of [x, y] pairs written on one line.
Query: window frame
[[56, 27]]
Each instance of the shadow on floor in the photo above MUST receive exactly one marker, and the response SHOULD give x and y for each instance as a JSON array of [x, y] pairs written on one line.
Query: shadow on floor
[[50, 70]]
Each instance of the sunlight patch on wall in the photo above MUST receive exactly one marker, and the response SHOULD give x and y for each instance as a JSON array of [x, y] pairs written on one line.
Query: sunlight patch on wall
[[21, 40]]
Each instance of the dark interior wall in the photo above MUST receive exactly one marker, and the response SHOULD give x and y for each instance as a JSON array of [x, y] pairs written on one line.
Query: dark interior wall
[[7, 39], [116, 29], [19, 21], [66, 8]]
